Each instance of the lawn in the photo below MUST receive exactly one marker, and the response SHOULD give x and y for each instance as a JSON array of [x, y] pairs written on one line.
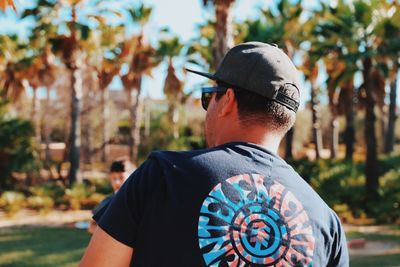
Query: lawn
[[392, 260], [40, 246], [389, 260]]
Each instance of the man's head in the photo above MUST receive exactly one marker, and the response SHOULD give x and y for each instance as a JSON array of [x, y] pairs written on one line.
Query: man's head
[[120, 169], [262, 82]]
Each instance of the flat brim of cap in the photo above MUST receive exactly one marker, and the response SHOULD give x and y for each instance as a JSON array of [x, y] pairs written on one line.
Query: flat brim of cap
[[204, 74]]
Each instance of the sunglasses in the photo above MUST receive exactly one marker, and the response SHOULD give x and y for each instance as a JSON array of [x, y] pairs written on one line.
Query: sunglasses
[[207, 93]]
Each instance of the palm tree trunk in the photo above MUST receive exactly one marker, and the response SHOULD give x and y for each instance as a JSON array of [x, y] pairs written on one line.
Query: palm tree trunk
[[335, 136], [371, 164], [383, 117], [87, 129], [390, 133], [316, 124], [73, 65], [173, 114], [35, 115], [175, 120], [47, 128], [147, 117], [349, 134], [106, 115], [224, 35], [75, 129], [136, 117]]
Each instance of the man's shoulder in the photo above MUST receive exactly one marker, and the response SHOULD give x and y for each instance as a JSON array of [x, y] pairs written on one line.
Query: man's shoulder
[[229, 149], [179, 156]]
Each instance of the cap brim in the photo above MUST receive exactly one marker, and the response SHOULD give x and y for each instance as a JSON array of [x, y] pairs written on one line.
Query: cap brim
[[204, 74]]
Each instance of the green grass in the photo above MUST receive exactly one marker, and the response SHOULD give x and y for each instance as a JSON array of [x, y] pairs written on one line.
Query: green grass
[[390, 260], [385, 237], [40, 246]]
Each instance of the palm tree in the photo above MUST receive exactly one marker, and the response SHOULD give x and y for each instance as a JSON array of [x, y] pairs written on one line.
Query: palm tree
[[353, 30], [200, 50], [392, 116], [347, 107], [390, 47], [69, 47], [173, 86], [110, 67], [5, 3], [223, 40], [310, 70], [333, 41], [13, 65], [105, 56], [106, 72], [141, 62], [364, 33], [41, 73], [283, 28], [44, 70], [19, 71]]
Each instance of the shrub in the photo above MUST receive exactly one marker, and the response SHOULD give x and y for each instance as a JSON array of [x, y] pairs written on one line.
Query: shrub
[[17, 151], [341, 184], [77, 195], [41, 203], [102, 186], [387, 210], [51, 190], [92, 201], [12, 202]]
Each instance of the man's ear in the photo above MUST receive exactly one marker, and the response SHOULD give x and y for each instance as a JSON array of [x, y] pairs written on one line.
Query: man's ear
[[228, 103]]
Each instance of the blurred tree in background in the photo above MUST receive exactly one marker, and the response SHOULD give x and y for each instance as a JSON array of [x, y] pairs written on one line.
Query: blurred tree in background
[[280, 24], [17, 150], [169, 48], [347, 52], [5, 3]]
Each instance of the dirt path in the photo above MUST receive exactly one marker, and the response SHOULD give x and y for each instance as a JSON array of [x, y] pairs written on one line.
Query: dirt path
[[376, 247], [52, 218]]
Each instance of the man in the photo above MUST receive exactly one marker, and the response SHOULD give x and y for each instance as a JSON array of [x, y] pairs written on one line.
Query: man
[[119, 172], [236, 203]]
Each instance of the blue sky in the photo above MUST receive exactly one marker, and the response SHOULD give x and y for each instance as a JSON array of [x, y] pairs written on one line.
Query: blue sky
[[181, 17]]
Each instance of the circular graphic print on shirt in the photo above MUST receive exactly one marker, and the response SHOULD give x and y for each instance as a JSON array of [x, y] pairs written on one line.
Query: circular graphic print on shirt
[[250, 220]]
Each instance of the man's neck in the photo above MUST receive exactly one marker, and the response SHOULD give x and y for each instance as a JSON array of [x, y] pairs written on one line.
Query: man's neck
[[255, 135]]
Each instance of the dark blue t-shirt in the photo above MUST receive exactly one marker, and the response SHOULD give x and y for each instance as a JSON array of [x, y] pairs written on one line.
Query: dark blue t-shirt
[[232, 205]]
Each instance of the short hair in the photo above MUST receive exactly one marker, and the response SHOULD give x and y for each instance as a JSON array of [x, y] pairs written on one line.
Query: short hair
[[121, 165], [256, 109]]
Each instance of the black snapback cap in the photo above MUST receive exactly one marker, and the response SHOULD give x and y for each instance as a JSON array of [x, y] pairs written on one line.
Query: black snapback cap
[[260, 68]]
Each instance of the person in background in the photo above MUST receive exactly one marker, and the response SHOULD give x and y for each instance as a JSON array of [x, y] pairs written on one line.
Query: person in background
[[120, 170]]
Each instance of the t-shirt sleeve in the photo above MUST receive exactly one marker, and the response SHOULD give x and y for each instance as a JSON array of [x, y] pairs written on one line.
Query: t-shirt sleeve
[[99, 209], [339, 252], [122, 218]]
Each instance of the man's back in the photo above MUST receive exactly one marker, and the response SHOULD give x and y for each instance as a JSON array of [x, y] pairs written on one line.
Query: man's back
[[232, 205]]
